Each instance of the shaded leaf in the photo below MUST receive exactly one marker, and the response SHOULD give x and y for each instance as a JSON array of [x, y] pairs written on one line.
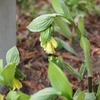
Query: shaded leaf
[[98, 93], [81, 25], [84, 43], [59, 81], [1, 65], [45, 94], [90, 96], [13, 55], [63, 27], [73, 71], [82, 70], [45, 35], [66, 46], [57, 60], [41, 23]]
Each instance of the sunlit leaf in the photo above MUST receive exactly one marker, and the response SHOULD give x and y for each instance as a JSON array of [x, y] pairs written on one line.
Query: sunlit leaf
[[66, 46], [72, 71], [16, 84], [41, 23], [1, 97], [12, 95], [8, 74], [56, 5], [79, 95], [23, 96], [13, 55], [45, 94], [59, 81], [66, 11]]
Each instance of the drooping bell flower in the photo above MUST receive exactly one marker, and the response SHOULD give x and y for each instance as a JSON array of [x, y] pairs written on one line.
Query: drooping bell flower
[[50, 46]]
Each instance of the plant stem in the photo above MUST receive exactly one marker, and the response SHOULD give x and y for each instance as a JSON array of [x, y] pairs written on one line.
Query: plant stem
[[90, 84]]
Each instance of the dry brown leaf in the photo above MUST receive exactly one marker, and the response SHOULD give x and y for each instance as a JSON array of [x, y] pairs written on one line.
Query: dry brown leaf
[[30, 84]]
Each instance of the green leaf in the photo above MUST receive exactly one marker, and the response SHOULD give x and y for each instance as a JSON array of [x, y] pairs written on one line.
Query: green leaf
[[2, 80], [12, 95], [23, 96], [57, 60], [8, 74], [65, 30], [1, 97], [13, 55], [59, 81], [82, 70], [98, 93], [84, 43], [66, 46], [79, 95], [19, 74], [78, 32], [56, 5], [90, 96], [46, 35], [81, 26], [66, 11], [97, 82], [1, 65], [41, 23], [73, 71], [45, 94]]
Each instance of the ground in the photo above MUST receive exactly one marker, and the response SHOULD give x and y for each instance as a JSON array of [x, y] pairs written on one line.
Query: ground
[[34, 61]]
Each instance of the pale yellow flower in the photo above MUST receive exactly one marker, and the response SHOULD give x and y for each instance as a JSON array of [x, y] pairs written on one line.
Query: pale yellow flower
[[16, 84], [1, 97], [50, 46]]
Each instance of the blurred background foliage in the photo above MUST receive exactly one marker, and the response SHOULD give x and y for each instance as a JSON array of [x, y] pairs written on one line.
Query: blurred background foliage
[[27, 10], [76, 7]]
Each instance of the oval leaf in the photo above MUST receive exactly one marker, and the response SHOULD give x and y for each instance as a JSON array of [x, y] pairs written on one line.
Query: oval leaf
[[13, 55], [59, 81], [41, 23], [45, 94], [45, 35], [23, 96], [12, 95], [8, 74]]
